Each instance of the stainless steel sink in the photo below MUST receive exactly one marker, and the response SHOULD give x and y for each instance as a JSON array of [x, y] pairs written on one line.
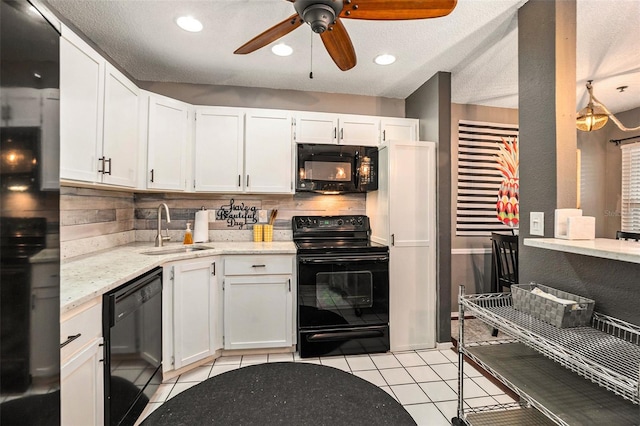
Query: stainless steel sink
[[174, 250]]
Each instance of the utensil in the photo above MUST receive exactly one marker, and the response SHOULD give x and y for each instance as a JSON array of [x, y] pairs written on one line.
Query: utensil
[[272, 218]]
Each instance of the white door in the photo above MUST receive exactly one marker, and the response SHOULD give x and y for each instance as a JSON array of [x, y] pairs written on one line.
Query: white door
[[315, 127], [120, 142], [258, 312], [359, 130], [219, 150], [81, 109], [399, 129], [268, 152], [412, 264], [167, 144], [81, 387], [194, 311]]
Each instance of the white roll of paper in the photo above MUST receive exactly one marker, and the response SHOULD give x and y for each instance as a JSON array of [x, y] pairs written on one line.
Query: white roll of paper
[[201, 227]]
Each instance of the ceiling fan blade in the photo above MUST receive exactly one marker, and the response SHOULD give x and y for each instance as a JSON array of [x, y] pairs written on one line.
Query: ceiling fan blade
[[338, 44], [390, 10], [270, 35]]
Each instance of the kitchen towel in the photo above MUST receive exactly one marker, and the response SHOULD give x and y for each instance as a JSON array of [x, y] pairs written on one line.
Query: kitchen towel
[[201, 227]]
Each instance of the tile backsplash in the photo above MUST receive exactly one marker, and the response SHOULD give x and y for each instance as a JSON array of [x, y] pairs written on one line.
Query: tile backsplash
[[97, 219]]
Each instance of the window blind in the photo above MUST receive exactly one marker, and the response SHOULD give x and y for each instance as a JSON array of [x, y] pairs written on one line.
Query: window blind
[[478, 176], [631, 187]]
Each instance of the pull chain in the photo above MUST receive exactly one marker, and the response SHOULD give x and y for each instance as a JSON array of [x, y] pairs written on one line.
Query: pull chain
[[311, 57]]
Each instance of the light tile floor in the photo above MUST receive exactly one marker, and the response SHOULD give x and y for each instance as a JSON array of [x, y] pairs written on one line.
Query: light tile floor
[[424, 382]]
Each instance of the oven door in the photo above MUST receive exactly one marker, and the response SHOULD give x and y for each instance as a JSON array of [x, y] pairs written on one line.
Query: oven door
[[340, 291], [343, 304]]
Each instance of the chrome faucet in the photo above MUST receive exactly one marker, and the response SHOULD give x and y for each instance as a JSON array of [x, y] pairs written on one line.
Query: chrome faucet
[[159, 237]]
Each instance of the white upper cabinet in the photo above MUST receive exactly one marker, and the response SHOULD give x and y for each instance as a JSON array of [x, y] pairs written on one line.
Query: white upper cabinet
[[359, 130], [345, 129], [219, 149], [168, 140], [81, 108], [268, 152], [316, 127], [98, 117], [399, 129], [120, 141]]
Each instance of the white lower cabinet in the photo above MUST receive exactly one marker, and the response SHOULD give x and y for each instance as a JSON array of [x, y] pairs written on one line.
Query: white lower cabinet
[[82, 366], [191, 312], [258, 301]]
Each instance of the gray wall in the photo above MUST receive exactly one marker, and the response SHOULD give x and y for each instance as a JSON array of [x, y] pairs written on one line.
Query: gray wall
[[469, 265], [431, 103], [249, 97], [546, 173]]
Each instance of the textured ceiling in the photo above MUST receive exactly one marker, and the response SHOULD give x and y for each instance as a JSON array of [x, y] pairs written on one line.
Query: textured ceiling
[[477, 43]]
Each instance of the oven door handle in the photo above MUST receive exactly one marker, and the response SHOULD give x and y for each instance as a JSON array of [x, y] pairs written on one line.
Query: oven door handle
[[344, 259], [344, 335]]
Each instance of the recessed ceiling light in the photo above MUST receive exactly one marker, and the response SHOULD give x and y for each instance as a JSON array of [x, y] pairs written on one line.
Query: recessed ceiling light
[[384, 59], [189, 23], [282, 49]]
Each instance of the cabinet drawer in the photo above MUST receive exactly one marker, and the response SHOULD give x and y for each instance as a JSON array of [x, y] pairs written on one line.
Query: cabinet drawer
[[258, 265], [80, 327]]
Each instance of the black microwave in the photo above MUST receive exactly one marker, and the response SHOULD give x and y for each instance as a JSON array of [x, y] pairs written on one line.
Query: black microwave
[[336, 169]]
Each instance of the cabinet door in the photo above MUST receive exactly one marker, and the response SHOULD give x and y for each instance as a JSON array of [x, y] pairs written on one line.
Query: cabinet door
[[81, 387], [120, 141], [359, 130], [257, 312], [314, 127], [412, 206], [399, 129], [167, 144], [219, 150], [268, 152], [194, 311], [81, 108]]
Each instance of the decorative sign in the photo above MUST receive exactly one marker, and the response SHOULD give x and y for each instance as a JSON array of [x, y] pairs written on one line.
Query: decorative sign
[[238, 215]]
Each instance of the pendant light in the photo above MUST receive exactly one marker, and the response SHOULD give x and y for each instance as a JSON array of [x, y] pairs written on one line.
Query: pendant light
[[595, 115]]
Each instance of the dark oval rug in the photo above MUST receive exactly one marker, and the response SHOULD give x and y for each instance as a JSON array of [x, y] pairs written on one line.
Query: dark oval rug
[[282, 393]]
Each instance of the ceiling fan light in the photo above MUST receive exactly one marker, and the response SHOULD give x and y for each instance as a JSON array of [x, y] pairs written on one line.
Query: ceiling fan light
[[282, 49], [384, 59], [189, 23]]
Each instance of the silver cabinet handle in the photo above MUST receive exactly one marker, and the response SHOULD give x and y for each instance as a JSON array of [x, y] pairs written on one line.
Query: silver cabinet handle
[[152, 175], [384, 135], [239, 181], [341, 134], [335, 132], [69, 340], [101, 170], [289, 285], [258, 266], [214, 268], [247, 181], [393, 239]]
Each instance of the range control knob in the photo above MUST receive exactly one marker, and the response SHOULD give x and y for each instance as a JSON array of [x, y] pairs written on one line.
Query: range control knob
[[340, 222]]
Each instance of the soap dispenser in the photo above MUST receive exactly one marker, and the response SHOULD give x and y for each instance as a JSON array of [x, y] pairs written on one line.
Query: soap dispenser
[[188, 236]]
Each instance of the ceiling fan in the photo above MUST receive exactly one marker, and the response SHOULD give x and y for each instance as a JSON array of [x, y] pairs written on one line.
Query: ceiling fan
[[324, 18]]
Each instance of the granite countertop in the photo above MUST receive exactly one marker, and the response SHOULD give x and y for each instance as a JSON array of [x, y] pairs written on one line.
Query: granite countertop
[[86, 277]]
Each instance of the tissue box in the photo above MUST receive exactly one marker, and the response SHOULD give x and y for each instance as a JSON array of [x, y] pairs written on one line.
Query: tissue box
[[571, 225], [549, 311]]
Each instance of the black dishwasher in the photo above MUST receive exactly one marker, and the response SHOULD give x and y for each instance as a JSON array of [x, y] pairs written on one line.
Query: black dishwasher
[[132, 327]]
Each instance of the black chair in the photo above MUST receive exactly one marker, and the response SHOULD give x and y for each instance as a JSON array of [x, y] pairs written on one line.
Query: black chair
[[505, 260], [622, 235]]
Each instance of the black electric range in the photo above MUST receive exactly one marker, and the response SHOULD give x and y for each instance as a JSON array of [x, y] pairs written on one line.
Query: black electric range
[[343, 286]]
